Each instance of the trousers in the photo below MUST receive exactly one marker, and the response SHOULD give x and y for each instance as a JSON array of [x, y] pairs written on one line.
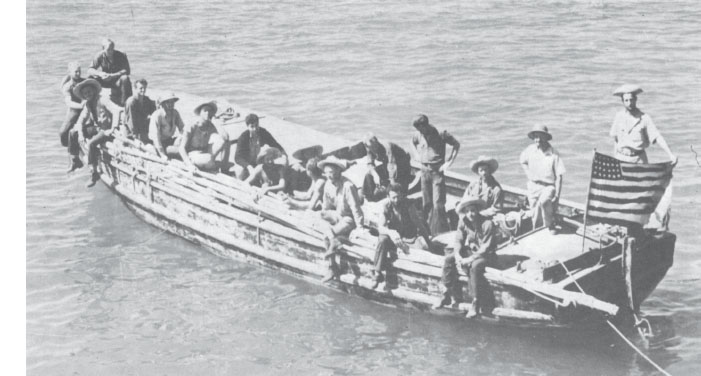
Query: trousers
[[433, 191]]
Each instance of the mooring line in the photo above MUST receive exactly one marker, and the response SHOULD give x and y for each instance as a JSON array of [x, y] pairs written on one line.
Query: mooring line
[[617, 330]]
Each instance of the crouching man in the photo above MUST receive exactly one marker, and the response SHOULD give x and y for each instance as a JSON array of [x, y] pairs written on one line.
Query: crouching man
[[400, 226], [474, 249]]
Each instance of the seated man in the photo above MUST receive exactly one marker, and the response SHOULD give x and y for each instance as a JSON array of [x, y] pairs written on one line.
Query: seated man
[[137, 112], [75, 107], [166, 128], [395, 167], [487, 187], [544, 169], [111, 69], [269, 176], [95, 124], [312, 195], [248, 146], [400, 226], [200, 143], [476, 239], [340, 207]]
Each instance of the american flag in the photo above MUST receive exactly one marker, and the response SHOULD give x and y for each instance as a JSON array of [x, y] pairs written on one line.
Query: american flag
[[625, 193]]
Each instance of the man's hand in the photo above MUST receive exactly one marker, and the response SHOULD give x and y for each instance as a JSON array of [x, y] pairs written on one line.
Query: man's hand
[[444, 168], [467, 260]]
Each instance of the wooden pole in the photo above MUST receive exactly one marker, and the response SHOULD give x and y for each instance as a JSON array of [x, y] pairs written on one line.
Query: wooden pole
[[586, 205]]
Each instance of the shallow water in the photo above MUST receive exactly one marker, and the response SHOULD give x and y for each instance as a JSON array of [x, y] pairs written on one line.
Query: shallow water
[[110, 295]]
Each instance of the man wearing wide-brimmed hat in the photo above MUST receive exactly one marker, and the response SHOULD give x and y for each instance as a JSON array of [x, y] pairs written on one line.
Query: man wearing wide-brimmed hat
[[544, 169], [430, 147], [633, 130], [474, 249], [201, 144], [166, 127], [487, 187], [340, 206], [249, 144], [268, 175]]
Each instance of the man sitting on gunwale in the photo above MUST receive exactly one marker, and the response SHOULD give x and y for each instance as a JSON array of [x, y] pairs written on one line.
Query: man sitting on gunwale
[[137, 111], [201, 144], [474, 249], [94, 122], [394, 167], [111, 69], [166, 128], [248, 147], [340, 207], [400, 226]]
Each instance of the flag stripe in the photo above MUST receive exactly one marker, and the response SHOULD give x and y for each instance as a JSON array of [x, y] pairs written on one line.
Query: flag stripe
[[624, 195], [627, 188], [647, 200]]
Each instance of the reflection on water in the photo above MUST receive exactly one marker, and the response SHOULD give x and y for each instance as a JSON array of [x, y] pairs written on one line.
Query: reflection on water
[[108, 294]]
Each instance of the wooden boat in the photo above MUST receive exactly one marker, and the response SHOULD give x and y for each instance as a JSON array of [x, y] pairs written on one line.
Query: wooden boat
[[570, 279]]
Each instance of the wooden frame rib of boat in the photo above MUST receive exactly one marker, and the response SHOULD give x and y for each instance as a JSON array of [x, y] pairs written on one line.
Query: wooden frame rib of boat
[[535, 281]]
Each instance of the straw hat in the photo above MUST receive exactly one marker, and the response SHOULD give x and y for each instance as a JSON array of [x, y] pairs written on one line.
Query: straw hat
[[542, 129], [167, 98], [211, 104], [470, 202], [87, 83], [268, 152], [491, 164], [627, 88], [334, 161]]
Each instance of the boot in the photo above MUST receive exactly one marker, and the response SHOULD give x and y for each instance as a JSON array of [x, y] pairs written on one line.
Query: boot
[[474, 310], [445, 301], [94, 178], [330, 274], [377, 280], [74, 163]]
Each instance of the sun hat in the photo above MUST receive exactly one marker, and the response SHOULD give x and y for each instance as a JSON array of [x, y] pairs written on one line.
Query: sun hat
[[211, 104], [167, 98], [266, 152], [542, 129], [86, 83], [334, 161], [491, 163], [470, 202], [627, 88]]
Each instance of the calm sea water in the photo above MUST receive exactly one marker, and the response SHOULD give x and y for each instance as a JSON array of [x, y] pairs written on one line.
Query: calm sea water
[[110, 295]]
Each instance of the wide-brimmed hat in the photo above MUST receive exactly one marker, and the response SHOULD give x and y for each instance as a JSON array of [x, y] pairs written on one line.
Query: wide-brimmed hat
[[542, 129], [268, 151], [470, 202], [491, 164], [167, 98], [627, 88], [334, 161], [86, 83], [211, 104]]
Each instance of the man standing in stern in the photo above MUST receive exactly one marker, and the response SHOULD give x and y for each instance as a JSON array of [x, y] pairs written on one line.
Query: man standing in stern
[[430, 147]]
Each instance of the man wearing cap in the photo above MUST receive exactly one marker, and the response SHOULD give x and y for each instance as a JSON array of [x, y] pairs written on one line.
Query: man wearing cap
[[544, 169], [395, 167], [474, 249], [166, 127], [200, 143], [95, 124], [430, 145], [137, 112], [487, 187], [75, 106], [268, 175], [249, 144], [400, 226], [633, 130], [111, 69], [340, 207]]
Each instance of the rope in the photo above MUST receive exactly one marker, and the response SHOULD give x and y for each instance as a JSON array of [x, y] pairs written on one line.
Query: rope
[[660, 369]]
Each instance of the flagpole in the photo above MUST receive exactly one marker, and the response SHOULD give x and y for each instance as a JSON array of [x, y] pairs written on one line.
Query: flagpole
[[586, 205]]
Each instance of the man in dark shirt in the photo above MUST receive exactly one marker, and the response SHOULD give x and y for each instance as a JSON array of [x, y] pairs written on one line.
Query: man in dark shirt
[[248, 147], [395, 167], [111, 69], [476, 238], [430, 147], [75, 106], [137, 113]]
